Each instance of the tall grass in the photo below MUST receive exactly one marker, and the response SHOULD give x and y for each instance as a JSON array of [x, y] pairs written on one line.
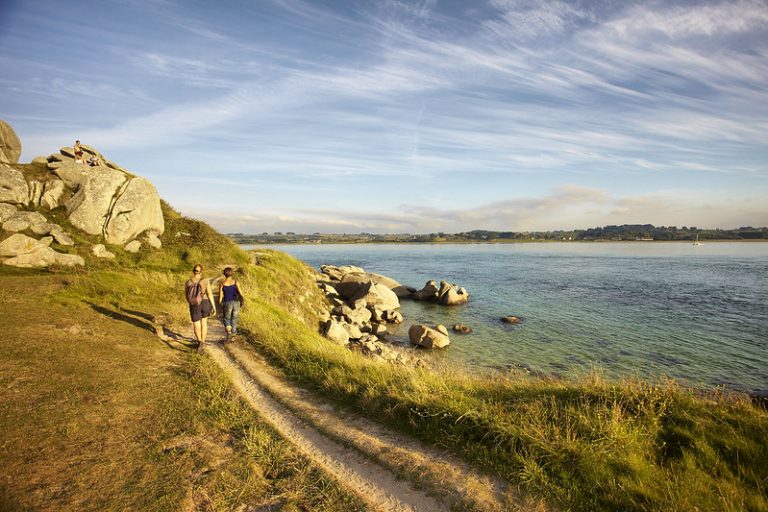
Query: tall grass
[[587, 444]]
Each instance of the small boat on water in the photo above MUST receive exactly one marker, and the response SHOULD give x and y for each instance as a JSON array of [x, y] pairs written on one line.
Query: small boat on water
[[696, 242]]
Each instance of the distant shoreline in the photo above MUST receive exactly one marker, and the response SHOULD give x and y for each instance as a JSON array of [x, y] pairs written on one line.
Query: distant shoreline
[[499, 242]]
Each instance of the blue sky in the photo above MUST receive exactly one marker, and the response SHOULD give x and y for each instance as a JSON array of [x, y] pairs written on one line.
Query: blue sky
[[406, 116]]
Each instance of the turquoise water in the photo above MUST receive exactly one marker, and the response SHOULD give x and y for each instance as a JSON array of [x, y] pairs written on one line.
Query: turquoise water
[[698, 314]]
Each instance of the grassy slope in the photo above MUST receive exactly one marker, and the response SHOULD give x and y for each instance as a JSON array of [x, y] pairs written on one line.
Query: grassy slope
[[98, 414], [587, 445]]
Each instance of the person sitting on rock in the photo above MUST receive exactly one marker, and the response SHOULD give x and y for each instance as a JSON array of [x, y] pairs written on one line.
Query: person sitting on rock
[[78, 152], [94, 161]]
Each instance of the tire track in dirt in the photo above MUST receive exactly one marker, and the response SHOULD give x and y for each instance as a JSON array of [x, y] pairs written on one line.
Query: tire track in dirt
[[374, 484], [447, 475]]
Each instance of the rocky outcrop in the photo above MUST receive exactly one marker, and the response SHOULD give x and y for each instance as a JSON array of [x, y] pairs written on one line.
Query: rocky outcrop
[[103, 200], [510, 319], [356, 318], [109, 201], [348, 279], [429, 337], [10, 145]]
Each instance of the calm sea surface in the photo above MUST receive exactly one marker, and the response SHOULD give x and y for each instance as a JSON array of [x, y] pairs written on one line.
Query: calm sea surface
[[698, 314]]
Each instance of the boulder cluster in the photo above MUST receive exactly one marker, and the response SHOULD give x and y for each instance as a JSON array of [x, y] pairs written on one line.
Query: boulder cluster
[[361, 304], [103, 200]]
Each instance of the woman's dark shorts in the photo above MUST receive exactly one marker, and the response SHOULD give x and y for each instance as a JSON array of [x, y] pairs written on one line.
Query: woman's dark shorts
[[200, 311]]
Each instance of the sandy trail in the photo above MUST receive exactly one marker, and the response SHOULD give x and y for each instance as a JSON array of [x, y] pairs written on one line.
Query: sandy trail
[[362, 455], [375, 485]]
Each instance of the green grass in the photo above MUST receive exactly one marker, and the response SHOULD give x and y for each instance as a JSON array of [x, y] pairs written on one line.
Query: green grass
[[583, 444], [98, 414]]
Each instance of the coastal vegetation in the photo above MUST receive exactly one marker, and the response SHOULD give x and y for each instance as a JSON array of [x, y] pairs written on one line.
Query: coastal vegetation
[[626, 232], [120, 419], [586, 444], [98, 414]]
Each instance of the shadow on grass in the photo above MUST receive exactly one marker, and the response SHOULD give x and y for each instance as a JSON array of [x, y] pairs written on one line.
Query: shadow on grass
[[146, 316], [174, 340], [137, 322]]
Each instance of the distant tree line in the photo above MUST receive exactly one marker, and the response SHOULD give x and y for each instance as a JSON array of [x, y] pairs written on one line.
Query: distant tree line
[[613, 233]]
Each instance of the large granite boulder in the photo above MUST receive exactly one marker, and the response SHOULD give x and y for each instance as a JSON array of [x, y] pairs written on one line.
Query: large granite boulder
[[377, 296], [446, 294], [337, 273], [136, 210], [90, 207], [13, 186], [359, 315], [429, 337], [429, 292], [18, 244], [335, 331], [24, 251], [10, 145], [108, 200], [74, 175], [114, 204], [449, 295]]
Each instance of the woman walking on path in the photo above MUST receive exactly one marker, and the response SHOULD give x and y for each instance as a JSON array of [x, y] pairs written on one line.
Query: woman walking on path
[[201, 305], [230, 298]]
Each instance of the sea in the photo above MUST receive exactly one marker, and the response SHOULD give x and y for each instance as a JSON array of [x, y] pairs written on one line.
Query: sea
[[649, 310]]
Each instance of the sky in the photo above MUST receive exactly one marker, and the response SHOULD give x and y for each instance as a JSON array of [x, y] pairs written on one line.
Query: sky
[[395, 116]]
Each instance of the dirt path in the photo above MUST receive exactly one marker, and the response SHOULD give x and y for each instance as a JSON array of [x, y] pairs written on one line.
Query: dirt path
[[362, 455]]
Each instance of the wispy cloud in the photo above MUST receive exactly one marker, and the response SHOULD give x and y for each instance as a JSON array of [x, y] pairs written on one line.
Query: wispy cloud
[[567, 207], [413, 97]]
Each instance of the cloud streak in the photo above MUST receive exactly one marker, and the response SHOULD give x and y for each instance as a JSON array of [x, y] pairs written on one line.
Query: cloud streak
[[566, 207], [408, 98]]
